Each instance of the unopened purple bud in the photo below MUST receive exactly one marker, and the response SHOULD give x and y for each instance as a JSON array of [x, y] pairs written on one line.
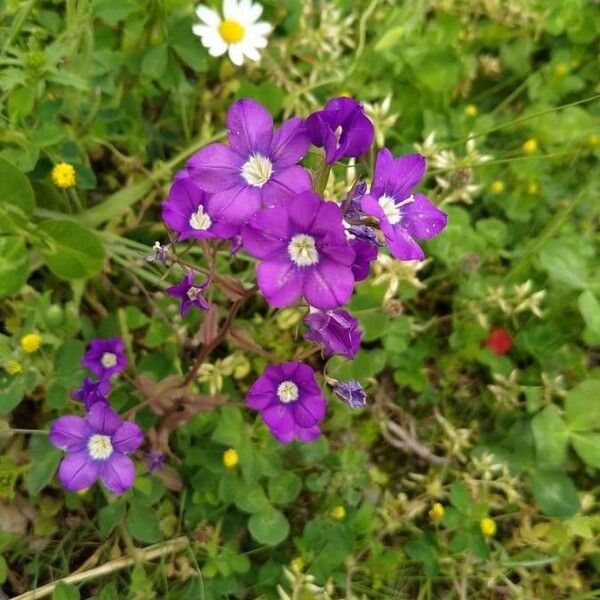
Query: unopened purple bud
[[350, 393], [352, 202], [155, 460], [362, 232]]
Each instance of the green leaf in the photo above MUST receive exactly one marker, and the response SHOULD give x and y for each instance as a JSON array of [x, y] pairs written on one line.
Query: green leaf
[[251, 498], [284, 488], [65, 591], [587, 446], [565, 265], [582, 406], [154, 62], [70, 250], [551, 436], [15, 188], [143, 525], [460, 497], [269, 526], [14, 265], [110, 516], [555, 493], [11, 394], [44, 462], [589, 307]]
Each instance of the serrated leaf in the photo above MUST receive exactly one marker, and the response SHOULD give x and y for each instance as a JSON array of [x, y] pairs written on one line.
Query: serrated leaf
[[551, 436]]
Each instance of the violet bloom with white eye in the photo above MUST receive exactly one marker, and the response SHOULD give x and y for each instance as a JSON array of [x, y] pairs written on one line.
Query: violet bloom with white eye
[[341, 128], [189, 293], [91, 392], [192, 213], [402, 214], [303, 252], [336, 331], [97, 448], [105, 357], [258, 168], [290, 401]]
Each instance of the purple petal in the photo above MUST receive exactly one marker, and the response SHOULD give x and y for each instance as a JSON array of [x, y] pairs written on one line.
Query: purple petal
[[215, 167], [250, 127], [308, 434], [303, 211], [401, 245], [284, 184], [309, 411], [279, 281], [236, 205], [117, 473], [290, 143], [328, 285], [266, 234], [77, 471], [397, 177], [422, 219], [278, 417], [70, 433], [261, 393], [127, 438], [356, 138], [103, 419], [365, 253]]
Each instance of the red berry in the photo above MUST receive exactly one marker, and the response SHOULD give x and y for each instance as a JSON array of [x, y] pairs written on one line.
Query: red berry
[[499, 341]]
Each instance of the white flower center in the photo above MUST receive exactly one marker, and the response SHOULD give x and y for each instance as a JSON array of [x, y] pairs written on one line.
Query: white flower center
[[257, 170], [303, 251], [391, 208], [100, 446], [193, 293], [287, 391], [200, 221], [108, 360]]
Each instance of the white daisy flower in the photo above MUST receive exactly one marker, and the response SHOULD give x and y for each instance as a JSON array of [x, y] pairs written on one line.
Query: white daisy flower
[[239, 33]]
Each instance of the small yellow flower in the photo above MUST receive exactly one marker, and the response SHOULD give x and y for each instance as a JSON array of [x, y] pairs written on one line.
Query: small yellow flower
[[338, 512], [530, 146], [231, 458], [471, 110], [497, 187], [561, 69], [297, 564], [31, 342], [436, 512], [488, 527], [63, 175], [533, 188], [13, 367], [594, 140]]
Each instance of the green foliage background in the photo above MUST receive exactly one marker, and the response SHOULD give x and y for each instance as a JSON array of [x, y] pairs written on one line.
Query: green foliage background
[[122, 90]]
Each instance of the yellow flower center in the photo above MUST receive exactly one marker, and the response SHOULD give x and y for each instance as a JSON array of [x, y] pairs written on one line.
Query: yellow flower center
[[231, 31], [231, 458], [303, 250], [287, 391], [108, 360], [100, 446], [31, 342]]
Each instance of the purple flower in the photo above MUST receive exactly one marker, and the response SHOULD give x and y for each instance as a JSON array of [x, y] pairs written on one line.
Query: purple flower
[[403, 215], [336, 331], [192, 213], [350, 393], [258, 168], [341, 128], [91, 392], [364, 254], [96, 447], [155, 460], [189, 293], [351, 205], [303, 252], [105, 357], [290, 401]]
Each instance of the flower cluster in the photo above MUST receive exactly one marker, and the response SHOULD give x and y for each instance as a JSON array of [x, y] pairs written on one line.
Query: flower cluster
[[97, 445], [310, 251]]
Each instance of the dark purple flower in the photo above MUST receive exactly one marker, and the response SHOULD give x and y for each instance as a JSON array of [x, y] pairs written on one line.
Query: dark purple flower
[[336, 331], [403, 215], [341, 128], [290, 401], [191, 212], [258, 168], [189, 293], [350, 393], [303, 252], [365, 253], [91, 392], [96, 447], [155, 460], [105, 357], [351, 205]]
